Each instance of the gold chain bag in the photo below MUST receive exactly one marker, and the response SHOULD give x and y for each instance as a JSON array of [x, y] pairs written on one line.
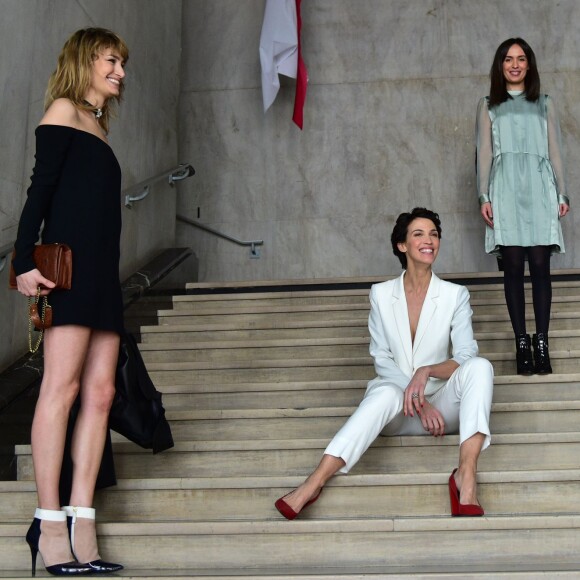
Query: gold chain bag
[[54, 262], [39, 319]]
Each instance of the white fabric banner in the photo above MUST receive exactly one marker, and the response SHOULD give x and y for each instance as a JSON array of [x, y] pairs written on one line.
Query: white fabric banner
[[278, 46]]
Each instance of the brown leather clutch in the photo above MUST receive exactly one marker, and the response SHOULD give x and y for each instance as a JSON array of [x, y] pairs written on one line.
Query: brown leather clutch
[[54, 261], [40, 319]]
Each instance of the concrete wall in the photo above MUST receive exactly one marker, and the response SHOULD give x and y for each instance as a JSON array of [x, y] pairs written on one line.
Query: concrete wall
[[143, 136], [389, 124]]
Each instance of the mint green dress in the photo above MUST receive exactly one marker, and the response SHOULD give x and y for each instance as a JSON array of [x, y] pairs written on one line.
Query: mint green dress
[[520, 171]]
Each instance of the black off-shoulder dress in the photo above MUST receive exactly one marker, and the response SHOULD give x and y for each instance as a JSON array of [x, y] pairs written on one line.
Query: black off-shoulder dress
[[75, 190]]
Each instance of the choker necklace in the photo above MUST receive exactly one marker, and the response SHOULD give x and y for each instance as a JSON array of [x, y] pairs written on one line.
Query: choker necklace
[[96, 111]]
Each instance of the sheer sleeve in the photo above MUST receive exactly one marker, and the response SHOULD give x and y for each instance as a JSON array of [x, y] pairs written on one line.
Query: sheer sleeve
[[555, 151], [52, 143], [484, 150]]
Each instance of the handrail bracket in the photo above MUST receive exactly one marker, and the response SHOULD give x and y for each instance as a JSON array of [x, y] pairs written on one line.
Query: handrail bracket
[[141, 191]]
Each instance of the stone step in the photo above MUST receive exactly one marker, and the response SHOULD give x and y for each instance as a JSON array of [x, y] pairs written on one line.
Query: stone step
[[335, 327], [354, 496], [241, 314], [520, 386], [504, 342], [474, 278], [386, 455], [258, 372], [324, 423], [191, 333], [345, 347], [198, 352], [496, 291], [558, 321], [332, 394], [524, 388], [303, 369], [260, 338], [308, 302], [479, 305], [535, 540], [160, 335], [500, 360], [563, 362], [340, 296], [553, 570], [250, 300], [271, 316]]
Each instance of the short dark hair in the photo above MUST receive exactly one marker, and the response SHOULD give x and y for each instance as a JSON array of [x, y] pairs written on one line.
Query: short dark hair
[[498, 91], [399, 235]]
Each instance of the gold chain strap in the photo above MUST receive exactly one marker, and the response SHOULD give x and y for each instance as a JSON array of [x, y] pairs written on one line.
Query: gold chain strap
[[40, 332]]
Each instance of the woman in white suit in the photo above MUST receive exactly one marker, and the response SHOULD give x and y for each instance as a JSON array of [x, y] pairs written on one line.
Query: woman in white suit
[[416, 321]]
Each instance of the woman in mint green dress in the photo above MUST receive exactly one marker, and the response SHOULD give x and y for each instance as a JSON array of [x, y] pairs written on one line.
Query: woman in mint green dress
[[522, 191]]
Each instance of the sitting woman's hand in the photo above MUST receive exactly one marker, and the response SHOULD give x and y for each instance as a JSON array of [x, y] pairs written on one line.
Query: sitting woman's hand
[[415, 392], [29, 282], [432, 420]]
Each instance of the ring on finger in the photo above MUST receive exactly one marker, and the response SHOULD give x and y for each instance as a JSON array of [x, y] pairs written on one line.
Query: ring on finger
[[415, 396]]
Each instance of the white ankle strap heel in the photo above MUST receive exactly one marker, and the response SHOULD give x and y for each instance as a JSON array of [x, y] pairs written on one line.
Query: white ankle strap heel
[[74, 512], [87, 539], [50, 515]]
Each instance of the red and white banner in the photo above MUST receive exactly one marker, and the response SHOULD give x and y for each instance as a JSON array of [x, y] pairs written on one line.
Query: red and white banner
[[280, 53]]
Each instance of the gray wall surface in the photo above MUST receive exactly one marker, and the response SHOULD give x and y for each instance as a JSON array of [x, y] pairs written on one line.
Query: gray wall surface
[[143, 136], [389, 125], [389, 122]]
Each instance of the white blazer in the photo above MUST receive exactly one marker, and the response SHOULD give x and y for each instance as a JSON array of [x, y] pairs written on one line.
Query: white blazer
[[444, 331]]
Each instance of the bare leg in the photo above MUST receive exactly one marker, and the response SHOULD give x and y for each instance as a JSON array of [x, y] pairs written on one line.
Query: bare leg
[[311, 487], [466, 473], [97, 392], [65, 348]]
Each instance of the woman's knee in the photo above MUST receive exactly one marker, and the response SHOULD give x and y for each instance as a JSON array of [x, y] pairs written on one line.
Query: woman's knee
[[385, 399], [478, 373], [385, 393], [99, 397], [478, 366], [58, 392]]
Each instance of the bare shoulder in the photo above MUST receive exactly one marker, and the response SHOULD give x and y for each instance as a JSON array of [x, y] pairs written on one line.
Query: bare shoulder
[[61, 112]]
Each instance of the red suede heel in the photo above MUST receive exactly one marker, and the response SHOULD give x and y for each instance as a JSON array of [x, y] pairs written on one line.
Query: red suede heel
[[287, 511], [460, 509]]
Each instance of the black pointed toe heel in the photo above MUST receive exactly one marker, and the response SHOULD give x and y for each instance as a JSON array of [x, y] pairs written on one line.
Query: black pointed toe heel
[[33, 535]]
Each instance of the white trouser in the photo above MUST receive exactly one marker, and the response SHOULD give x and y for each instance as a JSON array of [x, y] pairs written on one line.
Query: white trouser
[[464, 402]]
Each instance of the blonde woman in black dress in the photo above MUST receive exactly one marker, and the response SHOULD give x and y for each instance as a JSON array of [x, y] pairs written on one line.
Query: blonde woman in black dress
[[75, 193]]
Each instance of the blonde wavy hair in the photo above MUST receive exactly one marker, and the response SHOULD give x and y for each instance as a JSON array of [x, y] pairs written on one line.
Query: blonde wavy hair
[[72, 77]]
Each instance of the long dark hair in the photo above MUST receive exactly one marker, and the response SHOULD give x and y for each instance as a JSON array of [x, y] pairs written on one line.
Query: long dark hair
[[497, 91], [399, 235]]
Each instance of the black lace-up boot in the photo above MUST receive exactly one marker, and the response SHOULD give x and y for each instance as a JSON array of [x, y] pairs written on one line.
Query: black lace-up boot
[[524, 362], [541, 354]]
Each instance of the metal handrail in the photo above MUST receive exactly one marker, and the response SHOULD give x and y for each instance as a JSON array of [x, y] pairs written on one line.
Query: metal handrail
[[254, 251], [182, 171], [141, 190]]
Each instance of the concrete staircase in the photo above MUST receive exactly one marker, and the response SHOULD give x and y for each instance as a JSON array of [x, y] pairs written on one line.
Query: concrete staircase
[[256, 383]]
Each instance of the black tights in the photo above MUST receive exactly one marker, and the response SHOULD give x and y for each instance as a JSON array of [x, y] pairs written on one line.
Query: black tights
[[513, 275]]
